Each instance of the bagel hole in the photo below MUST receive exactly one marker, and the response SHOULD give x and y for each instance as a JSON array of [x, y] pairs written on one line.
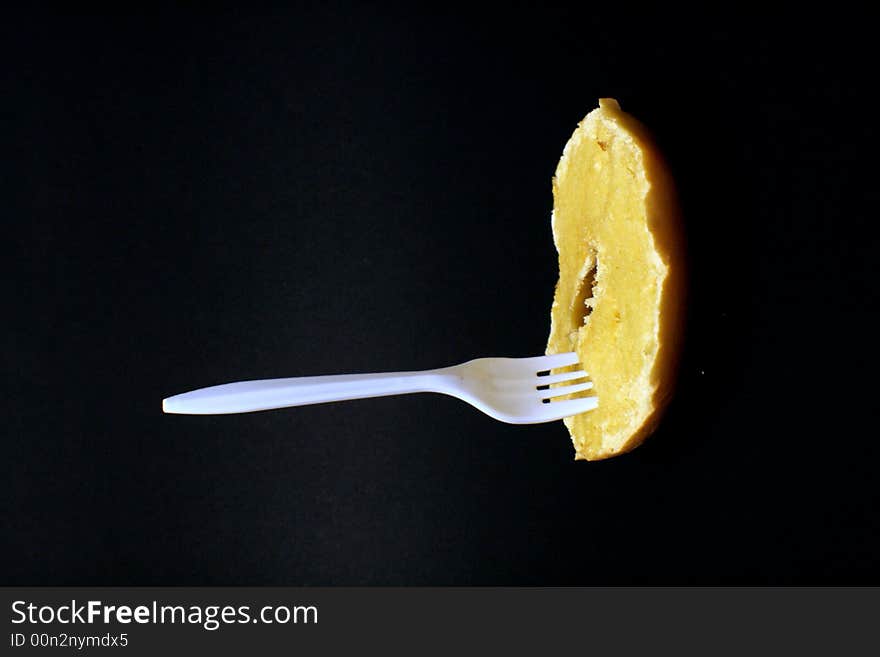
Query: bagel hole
[[585, 294]]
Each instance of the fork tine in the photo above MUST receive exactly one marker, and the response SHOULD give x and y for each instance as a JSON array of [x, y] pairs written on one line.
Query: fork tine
[[565, 390], [522, 368], [561, 378], [554, 361], [561, 409]]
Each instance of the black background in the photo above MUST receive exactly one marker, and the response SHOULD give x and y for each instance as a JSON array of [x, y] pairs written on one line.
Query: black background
[[194, 197]]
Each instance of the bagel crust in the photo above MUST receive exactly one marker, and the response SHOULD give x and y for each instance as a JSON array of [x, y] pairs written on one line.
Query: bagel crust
[[619, 301]]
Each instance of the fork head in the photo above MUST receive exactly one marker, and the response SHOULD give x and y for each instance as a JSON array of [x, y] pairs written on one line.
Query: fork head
[[527, 390]]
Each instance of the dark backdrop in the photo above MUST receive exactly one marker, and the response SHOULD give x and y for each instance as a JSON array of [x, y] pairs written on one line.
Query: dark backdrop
[[193, 197]]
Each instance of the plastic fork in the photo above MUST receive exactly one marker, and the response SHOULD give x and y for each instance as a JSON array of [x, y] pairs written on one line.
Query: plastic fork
[[514, 390]]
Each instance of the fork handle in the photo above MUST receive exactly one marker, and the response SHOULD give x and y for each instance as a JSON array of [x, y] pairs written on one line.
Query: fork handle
[[265, 394]]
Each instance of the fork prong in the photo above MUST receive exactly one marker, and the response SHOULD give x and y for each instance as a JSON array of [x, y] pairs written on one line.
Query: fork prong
[[567, 408], [554, 361], [565, 390], [550, 379]]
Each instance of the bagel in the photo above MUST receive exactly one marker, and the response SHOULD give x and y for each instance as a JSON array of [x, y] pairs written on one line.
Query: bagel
[[619, 301]]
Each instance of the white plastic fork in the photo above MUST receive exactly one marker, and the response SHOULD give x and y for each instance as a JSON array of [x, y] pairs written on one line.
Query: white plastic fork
[[513, 390]]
